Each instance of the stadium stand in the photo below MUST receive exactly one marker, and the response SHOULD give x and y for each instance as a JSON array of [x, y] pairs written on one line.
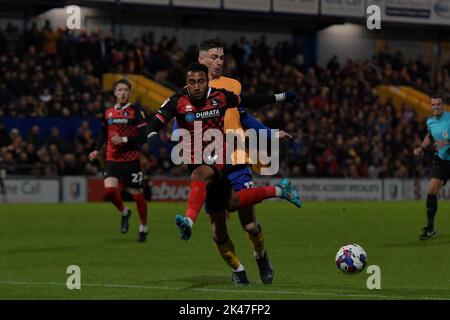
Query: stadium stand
[[341, 128]]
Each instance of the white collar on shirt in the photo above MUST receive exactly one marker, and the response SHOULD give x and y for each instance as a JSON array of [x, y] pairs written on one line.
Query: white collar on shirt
[[118, 107]]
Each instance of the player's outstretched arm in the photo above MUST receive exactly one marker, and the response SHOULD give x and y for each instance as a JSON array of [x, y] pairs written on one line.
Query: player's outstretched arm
[[257, 100], [165, 113], [260, 100], [418, 151], [153, 129]]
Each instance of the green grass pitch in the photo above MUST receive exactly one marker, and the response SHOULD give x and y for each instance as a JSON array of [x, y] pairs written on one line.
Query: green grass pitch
[[39, 242]]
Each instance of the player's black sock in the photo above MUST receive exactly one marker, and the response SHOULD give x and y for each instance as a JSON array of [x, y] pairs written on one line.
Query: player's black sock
[[431, 210]]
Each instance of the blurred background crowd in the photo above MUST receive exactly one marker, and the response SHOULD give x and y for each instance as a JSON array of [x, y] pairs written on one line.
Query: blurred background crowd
[[340, 128]]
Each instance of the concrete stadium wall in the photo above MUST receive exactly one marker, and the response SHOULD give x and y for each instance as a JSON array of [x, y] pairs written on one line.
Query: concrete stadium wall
[[347, 41]]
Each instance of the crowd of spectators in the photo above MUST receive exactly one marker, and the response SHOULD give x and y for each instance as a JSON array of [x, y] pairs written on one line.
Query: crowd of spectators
[[340, 128], [49, 157]]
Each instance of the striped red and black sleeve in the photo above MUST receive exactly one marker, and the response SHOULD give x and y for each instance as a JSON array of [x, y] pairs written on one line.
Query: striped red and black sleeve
[[140, 117], [168, 109], [166, 112]]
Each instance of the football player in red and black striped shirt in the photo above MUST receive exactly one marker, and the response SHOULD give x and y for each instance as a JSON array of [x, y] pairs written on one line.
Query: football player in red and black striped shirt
[[123, 131], [202, 107]]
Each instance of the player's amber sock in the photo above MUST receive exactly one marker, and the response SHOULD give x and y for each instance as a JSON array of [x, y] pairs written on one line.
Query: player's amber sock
[[227, 252], [113, 195], [141, 205], [257, 240], [249, 197], [197, 197]]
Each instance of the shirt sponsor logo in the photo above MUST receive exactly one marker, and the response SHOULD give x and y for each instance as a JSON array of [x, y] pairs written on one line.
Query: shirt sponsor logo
[[207, 114], [191, 116], [117, 121]]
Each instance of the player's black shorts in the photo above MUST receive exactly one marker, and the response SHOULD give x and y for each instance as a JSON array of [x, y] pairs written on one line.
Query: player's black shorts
[[440, 169], [218, 194], [130, 173]]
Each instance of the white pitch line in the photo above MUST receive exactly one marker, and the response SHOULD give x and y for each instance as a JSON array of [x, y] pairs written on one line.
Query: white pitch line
[[310, 292]]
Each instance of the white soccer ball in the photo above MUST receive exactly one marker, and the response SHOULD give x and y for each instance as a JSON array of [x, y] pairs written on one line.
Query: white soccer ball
[[351, 259]]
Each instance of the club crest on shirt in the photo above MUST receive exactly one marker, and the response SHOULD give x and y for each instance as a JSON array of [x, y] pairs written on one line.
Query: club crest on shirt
[[214, 102]]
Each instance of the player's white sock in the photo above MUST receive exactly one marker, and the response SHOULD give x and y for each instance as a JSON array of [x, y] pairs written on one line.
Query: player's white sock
[[191, 223], [143, 228], [278, 192], [239, 269], [260, 254], [125, 212]]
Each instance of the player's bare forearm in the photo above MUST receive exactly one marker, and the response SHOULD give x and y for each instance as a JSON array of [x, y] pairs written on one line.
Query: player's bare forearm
[[426, 142], [423, 145]]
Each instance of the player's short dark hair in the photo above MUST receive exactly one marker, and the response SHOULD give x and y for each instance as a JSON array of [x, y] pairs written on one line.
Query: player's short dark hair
[[197, 67], [122, 81], [437, 96], [210, 44]]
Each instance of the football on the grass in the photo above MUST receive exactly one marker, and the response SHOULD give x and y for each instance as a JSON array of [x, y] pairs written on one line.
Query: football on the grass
[[351, 259]]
